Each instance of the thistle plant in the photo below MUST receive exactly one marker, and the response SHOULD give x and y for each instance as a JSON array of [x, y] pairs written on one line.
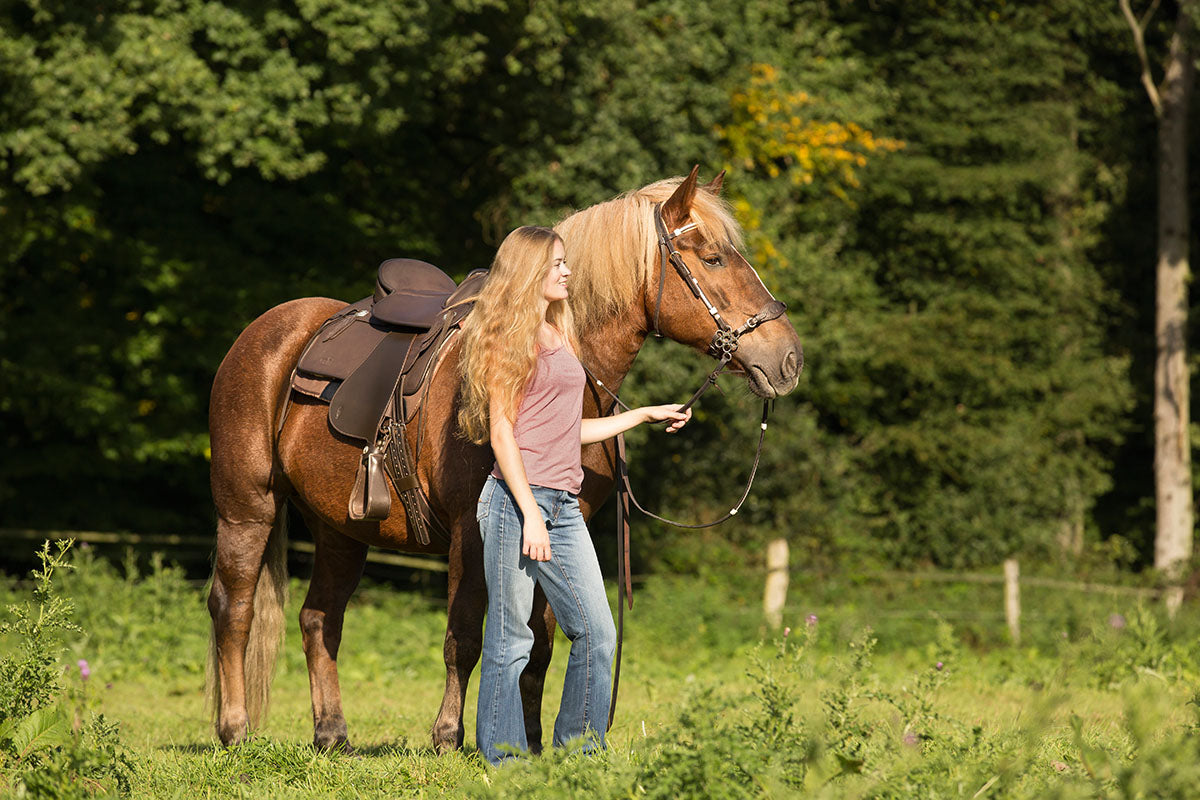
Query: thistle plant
[[32, 677], [49, 747]]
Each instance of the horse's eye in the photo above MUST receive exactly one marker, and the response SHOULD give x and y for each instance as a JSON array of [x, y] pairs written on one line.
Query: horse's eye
[[713, 260]]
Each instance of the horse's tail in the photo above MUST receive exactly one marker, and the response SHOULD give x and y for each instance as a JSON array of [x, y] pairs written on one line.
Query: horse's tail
[[266, 629]]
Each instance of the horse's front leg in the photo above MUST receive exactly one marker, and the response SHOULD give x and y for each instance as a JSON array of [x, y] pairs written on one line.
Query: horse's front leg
[[533, 678], [337, 567], [467, 603]]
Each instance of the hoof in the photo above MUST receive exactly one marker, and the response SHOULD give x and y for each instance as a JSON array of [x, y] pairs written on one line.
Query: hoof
[[342, 747], [233, 732], [331, 735], [447, 738]]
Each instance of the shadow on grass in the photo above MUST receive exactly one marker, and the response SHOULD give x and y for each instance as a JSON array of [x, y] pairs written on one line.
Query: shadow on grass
[[190, 749], [379, 750], [404, 749]]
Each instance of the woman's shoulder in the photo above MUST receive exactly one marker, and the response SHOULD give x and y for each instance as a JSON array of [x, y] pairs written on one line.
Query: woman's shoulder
[[550, 339]]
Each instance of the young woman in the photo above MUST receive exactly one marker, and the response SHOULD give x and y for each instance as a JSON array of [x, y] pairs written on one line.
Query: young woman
[[523, 392]]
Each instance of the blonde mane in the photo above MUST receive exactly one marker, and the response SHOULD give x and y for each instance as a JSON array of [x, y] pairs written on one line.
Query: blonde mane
[[612, 247]]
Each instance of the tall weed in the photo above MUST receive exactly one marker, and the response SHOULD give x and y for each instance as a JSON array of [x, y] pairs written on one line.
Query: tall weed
[[51, 744]]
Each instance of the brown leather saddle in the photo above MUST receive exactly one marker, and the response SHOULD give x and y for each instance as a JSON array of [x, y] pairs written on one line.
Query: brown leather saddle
[[371, 362]]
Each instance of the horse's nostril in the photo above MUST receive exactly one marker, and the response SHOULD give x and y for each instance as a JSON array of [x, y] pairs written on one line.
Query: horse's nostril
[[790, 366]]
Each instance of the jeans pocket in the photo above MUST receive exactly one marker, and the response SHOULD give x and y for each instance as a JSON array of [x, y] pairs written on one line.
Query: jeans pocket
[[485, 500]]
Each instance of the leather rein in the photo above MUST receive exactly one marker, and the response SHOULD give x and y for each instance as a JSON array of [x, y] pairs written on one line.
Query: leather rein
[[722, 346]]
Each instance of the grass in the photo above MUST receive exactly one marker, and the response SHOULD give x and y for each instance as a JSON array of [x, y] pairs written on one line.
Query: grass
[[932, 702]]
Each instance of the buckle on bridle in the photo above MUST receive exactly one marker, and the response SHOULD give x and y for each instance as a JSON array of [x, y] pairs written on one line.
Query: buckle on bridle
[[724, 344]]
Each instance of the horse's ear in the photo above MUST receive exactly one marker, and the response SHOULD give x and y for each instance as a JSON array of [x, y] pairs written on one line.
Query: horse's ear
[[676, 209], [715, 184]]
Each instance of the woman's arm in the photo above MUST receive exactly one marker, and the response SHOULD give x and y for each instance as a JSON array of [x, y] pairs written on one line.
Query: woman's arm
[[535, 540], [597, 429]]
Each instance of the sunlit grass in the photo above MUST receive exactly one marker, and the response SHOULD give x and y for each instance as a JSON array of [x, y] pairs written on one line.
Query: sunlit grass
[[942, 707]]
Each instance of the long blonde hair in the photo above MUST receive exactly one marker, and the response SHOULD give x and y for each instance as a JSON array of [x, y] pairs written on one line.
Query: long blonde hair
[[499, 344]]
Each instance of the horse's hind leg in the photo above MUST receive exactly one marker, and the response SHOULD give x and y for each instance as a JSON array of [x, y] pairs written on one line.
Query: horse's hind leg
[[467, 602], [533, 678], [246, 608], [337, 568]]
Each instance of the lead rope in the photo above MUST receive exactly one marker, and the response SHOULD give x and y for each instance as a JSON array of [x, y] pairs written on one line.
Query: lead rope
[[625, 495], [722, 347]]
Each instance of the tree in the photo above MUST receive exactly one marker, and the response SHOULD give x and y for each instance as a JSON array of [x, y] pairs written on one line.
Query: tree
[[171, 168], [978, 400], [1171, 100]]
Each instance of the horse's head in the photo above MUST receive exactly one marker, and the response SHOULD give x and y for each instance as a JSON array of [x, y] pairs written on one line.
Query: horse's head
[[711, 282]]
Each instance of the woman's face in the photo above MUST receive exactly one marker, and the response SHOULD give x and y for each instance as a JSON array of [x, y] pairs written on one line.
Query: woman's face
[[554, 286]]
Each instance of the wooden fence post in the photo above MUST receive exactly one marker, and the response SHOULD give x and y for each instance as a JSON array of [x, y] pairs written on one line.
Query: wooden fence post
[[1012, 598], [775, 594]]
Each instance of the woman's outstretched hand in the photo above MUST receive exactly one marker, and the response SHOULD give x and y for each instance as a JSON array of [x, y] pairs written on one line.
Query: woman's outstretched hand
[[597, 429], [669, 413]]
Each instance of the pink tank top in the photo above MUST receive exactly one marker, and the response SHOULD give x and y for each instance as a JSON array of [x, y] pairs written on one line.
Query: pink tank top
[[548, 422]]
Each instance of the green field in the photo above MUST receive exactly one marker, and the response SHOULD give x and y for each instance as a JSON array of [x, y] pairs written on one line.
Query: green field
[[712, 705]]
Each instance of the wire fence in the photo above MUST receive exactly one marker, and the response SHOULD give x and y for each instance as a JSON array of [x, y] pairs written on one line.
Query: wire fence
[[777, 573], [205, 545]]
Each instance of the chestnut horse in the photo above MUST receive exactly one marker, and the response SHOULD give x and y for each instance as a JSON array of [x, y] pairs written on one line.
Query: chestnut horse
[[618, 295]]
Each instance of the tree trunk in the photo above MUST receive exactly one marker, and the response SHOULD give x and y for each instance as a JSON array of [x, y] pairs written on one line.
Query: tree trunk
[[1172, 448]]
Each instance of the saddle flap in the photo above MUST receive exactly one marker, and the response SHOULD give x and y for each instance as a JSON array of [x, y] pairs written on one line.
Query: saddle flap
[[358, 405], [342, 343]]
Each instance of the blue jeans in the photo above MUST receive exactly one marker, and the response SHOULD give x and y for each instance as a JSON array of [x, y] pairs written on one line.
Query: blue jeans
[[575, 589]]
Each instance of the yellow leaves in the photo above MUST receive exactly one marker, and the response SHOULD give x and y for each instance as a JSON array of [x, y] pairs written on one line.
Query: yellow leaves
[[781, 133], [762, 248], [775, 133]]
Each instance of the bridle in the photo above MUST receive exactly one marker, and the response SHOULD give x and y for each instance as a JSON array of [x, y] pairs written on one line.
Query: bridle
[[722, 346], [725, 340]]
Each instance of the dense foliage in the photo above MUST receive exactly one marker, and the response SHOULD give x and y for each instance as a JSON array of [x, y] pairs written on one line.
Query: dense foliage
[[947, 195]]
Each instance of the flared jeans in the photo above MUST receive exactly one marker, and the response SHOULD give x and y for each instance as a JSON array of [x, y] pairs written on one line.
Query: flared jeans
[[575, 589]]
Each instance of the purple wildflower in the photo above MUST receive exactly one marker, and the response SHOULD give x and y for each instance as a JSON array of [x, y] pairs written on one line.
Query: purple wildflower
[[938, 666], [811, 620], [1116, 621], [911, 739], [787, 632], [85, 671]]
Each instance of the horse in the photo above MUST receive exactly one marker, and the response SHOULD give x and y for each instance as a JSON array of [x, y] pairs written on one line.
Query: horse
[[262, 458]]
